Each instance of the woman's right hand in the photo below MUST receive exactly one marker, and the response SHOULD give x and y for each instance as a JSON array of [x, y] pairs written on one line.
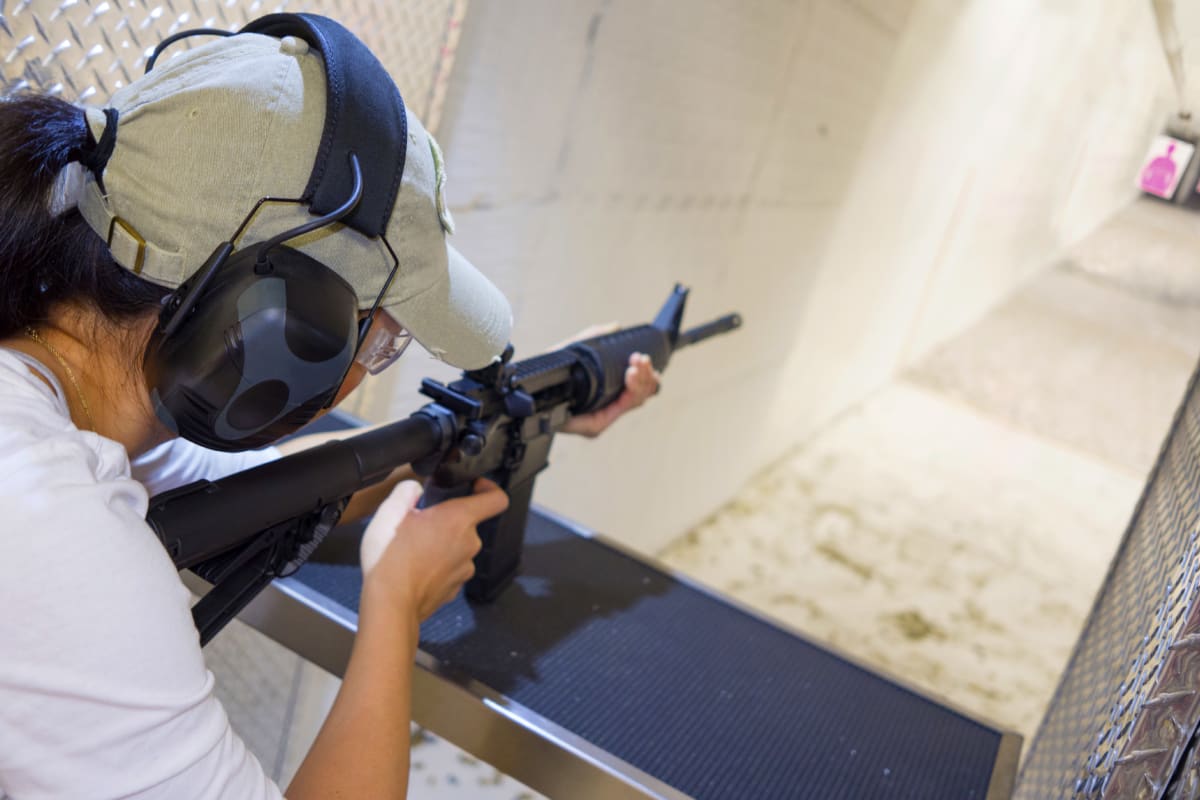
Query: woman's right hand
[[415, 560]]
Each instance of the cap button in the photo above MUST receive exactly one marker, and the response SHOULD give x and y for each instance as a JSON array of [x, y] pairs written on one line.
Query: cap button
[[293, 46]]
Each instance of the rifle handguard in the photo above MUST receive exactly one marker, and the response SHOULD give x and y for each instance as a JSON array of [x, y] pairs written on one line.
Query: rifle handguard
[[607, 357]]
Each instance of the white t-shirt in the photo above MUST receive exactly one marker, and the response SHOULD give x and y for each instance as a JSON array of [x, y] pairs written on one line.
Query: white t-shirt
[[103, 690]]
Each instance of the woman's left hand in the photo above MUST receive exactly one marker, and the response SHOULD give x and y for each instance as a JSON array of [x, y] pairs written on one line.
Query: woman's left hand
[[641, 381]]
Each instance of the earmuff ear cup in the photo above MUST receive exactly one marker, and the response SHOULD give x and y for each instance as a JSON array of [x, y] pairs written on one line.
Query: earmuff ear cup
[[263, 349]]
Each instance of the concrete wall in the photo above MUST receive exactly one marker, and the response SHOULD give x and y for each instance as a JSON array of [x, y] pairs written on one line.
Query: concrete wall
[[860, 179], [1008, 130], [1186, 16]]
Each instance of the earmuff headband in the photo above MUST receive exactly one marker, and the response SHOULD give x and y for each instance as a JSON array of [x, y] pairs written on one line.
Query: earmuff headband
[[361, 116], [364, 115]]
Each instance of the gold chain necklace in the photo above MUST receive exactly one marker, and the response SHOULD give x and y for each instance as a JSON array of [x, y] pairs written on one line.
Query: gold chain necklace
[[35, 336]]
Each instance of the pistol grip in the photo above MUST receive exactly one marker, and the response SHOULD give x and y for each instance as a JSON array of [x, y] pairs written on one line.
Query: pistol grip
[[435, 494]]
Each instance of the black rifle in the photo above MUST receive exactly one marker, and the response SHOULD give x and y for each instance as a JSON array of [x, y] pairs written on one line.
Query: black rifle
[[241, 532]]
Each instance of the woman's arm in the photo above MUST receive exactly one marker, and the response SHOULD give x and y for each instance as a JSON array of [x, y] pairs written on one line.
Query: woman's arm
[[414, 561], [362, 749]]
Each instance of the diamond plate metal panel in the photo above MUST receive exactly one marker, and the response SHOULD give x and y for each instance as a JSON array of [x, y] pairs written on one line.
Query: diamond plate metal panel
[[86, 49], [1128, 704]]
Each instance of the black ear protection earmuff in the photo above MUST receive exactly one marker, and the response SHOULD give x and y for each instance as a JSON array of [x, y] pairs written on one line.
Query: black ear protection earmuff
[[259, 339]]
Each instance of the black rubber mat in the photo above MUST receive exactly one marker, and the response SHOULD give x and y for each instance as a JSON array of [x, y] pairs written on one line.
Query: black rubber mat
[[706, 698]]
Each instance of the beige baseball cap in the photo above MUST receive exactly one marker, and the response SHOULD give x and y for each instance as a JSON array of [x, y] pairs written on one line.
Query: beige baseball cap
[[206, 134]]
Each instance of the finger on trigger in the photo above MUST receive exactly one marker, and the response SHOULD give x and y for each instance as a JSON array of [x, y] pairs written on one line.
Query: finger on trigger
[[484, 485], [488, 500]]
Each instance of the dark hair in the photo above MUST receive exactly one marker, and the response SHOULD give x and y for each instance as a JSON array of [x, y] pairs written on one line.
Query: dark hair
[[47, 259]]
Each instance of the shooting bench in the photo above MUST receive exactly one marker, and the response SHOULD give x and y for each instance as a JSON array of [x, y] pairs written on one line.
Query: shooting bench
[[597, 674]]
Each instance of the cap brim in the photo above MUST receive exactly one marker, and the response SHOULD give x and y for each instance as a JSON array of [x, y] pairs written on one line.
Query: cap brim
[[462, 319]]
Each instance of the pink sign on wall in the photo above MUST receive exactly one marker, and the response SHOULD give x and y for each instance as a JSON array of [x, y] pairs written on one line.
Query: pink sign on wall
[[1164, 166]]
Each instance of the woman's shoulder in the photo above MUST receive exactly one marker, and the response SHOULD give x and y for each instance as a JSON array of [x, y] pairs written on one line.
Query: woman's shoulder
[[31, 401], [72, 513], [29, 390], [38, 439]]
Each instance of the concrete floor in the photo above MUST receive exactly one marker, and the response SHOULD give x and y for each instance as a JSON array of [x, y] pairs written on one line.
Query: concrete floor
[[953, 528]]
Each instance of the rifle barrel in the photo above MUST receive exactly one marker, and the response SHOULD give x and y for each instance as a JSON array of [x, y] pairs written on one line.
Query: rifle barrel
[[699, 333]]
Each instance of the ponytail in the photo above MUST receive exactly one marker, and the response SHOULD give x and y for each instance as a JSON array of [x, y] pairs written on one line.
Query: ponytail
[[48, 258]]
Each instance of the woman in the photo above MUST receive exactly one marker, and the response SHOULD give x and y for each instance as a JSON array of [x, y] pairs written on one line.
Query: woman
[[103, 690]]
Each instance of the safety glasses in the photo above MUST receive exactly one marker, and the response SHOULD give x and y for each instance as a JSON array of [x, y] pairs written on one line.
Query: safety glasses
[[385, 341]]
